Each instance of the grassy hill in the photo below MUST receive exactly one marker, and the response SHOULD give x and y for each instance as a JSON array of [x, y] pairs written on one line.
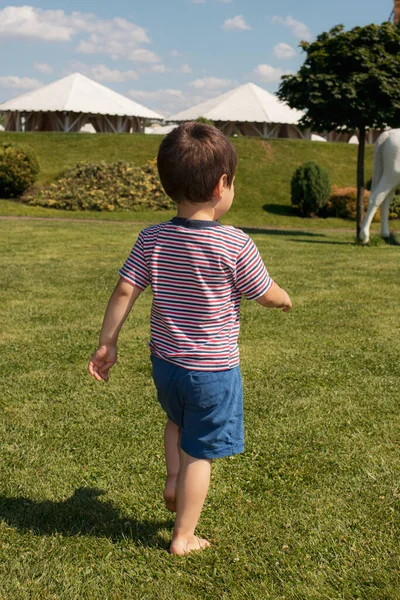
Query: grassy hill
[[265, 168]]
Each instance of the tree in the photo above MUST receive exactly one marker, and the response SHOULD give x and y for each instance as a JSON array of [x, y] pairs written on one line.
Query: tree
[[350, 80], [204, 120]]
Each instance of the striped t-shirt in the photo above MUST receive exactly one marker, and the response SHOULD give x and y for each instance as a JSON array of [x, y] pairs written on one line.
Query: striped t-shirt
[[198, 272]]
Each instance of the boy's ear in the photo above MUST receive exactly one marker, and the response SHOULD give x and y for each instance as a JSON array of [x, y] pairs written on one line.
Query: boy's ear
[[221, 185]]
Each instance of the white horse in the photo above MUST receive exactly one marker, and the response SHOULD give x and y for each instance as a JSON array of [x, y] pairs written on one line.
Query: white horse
[[385, 179]]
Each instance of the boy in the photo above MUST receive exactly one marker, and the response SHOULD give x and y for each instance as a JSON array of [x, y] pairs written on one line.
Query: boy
[[198, 270]]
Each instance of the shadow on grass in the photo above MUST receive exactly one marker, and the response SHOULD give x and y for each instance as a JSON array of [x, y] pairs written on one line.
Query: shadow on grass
[[281, 232], [353, 243], [280, 209], [81, 514], [392, 240]]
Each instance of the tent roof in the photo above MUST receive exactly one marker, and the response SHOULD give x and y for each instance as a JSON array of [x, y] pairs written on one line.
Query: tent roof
[[77, 93], [248, 102]]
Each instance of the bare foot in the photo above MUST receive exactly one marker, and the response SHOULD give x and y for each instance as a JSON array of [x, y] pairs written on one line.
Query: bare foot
[[170, 492], [184, 546]]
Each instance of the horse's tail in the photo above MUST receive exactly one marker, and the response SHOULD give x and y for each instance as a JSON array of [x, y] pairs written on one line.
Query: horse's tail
[[377, 170]]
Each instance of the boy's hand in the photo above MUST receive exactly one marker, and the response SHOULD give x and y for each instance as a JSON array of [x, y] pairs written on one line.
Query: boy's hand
[[102, 361], [287, 305], [275, 297]]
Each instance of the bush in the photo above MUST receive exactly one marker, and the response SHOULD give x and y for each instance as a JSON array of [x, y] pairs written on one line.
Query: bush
[[19, 169], [343, 203], [105, 187], [310, 188], [394, 210]]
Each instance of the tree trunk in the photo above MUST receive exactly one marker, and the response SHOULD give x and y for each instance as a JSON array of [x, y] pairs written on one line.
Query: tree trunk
[[360, 179]]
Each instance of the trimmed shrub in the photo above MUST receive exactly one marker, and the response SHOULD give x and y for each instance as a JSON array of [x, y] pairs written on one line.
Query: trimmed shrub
[[104, 187], [343, 203], [19, 169], [310, 188]]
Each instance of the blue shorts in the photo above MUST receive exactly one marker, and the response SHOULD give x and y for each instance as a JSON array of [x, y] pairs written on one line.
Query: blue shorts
[[207, 405]]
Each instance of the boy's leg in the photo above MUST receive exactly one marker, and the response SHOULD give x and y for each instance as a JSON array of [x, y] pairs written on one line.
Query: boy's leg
[[193, 482], [172, 438]]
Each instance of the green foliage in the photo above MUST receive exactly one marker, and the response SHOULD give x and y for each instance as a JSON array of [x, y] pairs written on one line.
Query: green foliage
[[310, 188], [343, 203], [104, 187], [19, 169], [349, 79], [204, 120], [394, 210]]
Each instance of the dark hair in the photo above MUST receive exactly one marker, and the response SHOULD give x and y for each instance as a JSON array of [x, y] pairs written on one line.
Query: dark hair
[[191, 160]]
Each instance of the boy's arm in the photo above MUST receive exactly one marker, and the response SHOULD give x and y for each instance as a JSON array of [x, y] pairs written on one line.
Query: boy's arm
[[118, 308], [275, 297]]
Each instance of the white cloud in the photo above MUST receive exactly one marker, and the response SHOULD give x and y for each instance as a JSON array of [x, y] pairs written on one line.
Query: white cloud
[[298, 29], [117, 37], [237, 22], [19, 83], [35, 23], [185, 69], [268, 74], [283, 51], [42, 67], [103, 73], [175, 53], [159, 69], [169, 101], [226, 1], [143, 55], [198, 1], [119, 40], [210, 83]]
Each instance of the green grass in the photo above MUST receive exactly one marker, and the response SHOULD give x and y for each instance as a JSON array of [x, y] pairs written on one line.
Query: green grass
[[309, 511], [265, 169]]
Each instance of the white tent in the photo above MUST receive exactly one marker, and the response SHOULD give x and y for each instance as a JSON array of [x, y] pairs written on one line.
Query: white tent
[[72, 102], [317, 138], [248, 110], [162, 130], [353, 140]]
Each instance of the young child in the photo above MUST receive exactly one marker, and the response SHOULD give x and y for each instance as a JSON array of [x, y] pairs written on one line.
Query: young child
[[198, 270]]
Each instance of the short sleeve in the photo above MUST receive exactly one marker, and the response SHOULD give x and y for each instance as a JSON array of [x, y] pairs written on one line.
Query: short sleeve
[[252, 278], [135, 269]]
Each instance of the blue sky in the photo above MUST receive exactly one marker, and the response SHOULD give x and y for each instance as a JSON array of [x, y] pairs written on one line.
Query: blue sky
[[166, 54]]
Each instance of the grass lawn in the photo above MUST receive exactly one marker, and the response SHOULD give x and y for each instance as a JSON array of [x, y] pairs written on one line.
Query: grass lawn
[[265, 169], [311, 510]]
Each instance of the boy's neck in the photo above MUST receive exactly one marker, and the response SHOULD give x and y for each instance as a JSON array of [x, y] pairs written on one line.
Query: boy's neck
[[203, 212]]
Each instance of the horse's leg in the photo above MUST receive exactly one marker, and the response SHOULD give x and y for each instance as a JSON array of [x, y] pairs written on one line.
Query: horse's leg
[[385, 233], [376, 198]]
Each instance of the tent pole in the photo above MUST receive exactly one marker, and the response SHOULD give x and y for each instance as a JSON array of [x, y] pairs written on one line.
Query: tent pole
[[265, 130], [74, 122], [109, 123], [275, 127], [60, 122], [255, 129]]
